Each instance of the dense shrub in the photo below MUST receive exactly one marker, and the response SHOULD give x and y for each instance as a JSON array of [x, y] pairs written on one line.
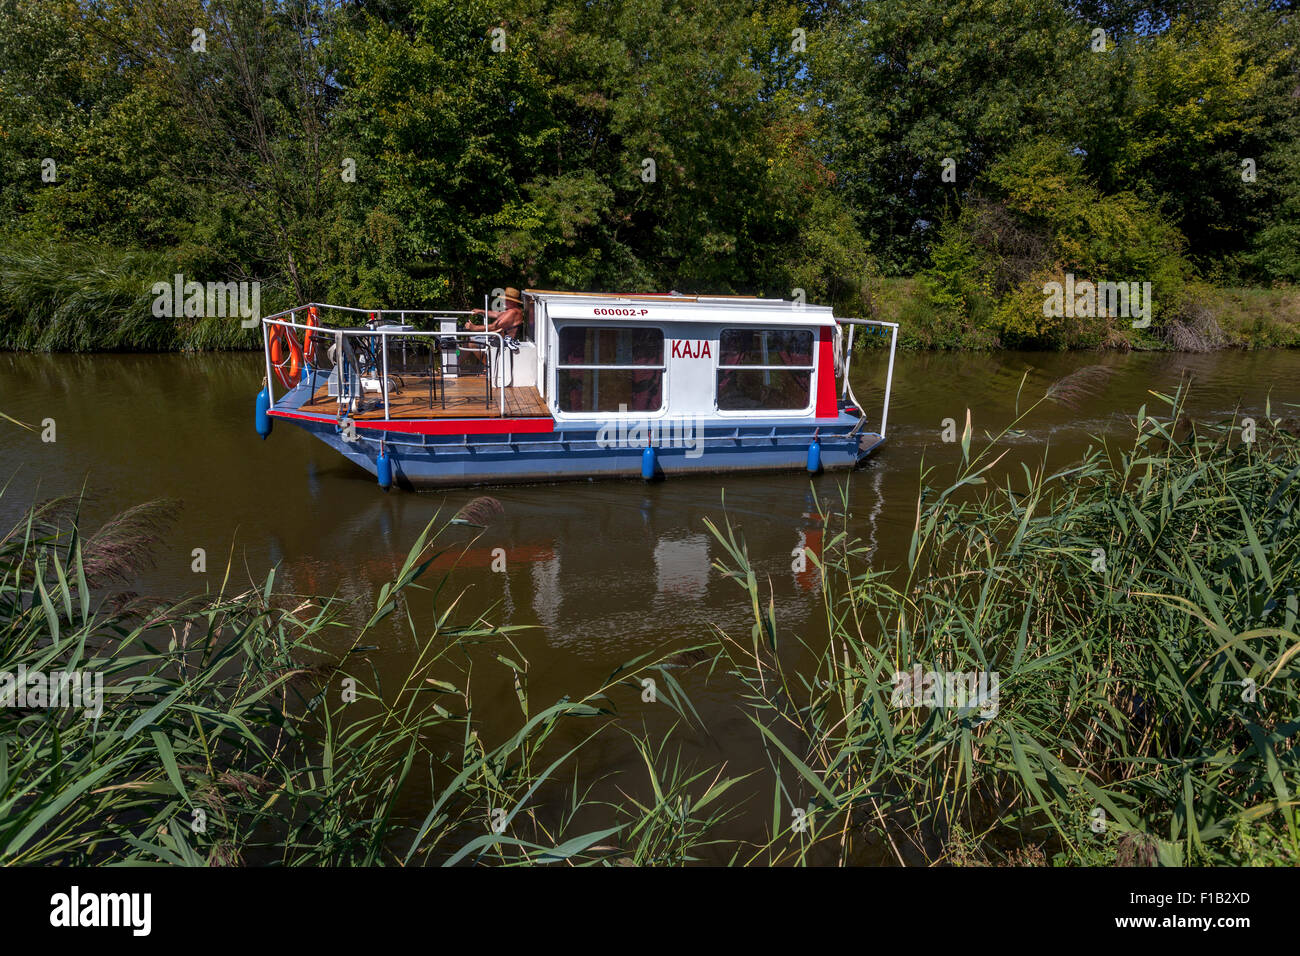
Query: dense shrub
[[1038, 217]]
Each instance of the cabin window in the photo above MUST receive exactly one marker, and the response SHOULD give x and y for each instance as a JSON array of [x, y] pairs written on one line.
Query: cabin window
[[605, 369], [765, 369]]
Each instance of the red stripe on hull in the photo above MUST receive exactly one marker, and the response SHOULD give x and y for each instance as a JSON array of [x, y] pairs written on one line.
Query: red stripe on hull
[[443, 426]]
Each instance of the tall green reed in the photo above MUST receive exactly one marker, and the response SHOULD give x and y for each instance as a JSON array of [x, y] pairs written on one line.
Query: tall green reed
[[88, 297], [229, 734], [1139, 607]]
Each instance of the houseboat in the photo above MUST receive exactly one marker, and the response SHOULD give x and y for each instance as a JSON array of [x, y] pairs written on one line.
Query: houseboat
[[592, 386]]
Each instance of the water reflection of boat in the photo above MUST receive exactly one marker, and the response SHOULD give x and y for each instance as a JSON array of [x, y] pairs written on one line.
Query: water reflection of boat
[[382, 567], [605, 386], [807, 574], [682, 565], [644, 559]]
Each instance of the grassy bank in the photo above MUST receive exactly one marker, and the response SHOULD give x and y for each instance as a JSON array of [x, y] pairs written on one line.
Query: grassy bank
[[1138, 608], [1213, 317], [77, 297], [86, 298]]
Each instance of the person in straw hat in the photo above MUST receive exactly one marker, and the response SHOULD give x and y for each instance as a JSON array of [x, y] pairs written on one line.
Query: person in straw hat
[[508, 321]]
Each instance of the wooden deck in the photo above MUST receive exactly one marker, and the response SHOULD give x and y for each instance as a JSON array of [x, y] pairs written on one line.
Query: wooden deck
[[465, 399]]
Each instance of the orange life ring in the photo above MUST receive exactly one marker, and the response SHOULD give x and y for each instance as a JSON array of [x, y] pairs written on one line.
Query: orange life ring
[[282, 341], [307, 339]]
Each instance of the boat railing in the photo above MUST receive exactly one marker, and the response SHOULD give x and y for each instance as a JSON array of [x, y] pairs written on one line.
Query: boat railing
[[889, 376], [493, 342]]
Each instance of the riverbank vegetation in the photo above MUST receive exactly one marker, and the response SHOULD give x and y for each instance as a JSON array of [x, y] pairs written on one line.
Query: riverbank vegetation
[[226, 735], [1132, 616], [422, 152], [1217, 317], [1139, 610]]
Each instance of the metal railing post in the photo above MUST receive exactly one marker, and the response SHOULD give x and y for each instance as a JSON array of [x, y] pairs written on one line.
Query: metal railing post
[[848, 359], [889, 381], [383, 340], [266, 349]]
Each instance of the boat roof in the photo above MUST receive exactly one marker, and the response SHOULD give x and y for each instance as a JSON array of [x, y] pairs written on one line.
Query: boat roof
[[649, 306]]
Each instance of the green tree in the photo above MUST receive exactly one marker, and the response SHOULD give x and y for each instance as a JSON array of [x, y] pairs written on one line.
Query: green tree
[[633, 145], [911, 83], [1187, 105]]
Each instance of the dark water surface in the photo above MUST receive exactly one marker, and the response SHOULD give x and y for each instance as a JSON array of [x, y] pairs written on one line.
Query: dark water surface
[[603, 571]]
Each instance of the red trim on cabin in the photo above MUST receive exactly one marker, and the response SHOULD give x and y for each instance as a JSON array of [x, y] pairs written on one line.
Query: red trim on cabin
[[827, 405], [443, 426]]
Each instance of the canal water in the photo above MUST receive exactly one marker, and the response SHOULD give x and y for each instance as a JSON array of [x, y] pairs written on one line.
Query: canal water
[[598, 572]]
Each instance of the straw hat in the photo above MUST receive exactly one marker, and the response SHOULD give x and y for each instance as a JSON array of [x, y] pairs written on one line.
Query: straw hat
[[512, 295]]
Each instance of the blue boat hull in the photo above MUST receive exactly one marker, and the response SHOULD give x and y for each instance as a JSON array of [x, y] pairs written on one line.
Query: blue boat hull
[[542, 450], [568, 454]]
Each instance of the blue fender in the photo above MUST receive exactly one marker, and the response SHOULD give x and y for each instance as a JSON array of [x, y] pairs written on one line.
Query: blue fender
[[814, 457], [262, 419]]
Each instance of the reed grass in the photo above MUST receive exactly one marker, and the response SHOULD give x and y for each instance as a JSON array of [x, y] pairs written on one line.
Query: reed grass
[[228, 735], [81, 297], [1122, 599], [1123, 733]]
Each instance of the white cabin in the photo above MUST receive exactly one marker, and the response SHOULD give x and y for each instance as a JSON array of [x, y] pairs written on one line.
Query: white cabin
[[655, 356]]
